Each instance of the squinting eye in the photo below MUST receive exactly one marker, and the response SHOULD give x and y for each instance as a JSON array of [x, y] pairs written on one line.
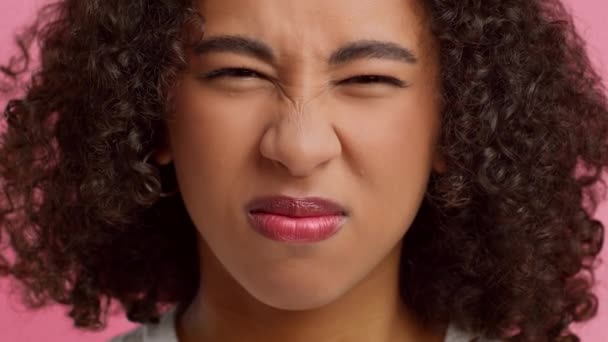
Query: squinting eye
[[249, 73], [371, 79], [233, 72]]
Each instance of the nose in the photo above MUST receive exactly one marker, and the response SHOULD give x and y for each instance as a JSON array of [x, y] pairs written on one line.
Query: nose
[[302, 137]]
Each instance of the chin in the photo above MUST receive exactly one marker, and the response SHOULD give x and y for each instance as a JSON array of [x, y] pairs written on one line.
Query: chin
[[291, 302], [298, 297]]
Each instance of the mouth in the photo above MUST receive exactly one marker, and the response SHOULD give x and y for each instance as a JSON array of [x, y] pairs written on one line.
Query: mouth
[[296, 207], [286, 219]]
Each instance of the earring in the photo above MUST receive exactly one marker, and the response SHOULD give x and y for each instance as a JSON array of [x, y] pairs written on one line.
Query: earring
[[162, 193]]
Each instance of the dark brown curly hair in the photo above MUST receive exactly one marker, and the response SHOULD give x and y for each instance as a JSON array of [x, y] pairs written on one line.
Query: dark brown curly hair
[[504, 239]]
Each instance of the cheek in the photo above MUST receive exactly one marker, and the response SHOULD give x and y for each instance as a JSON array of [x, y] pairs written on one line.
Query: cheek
[[393, 142], [395, 136], [214, 131], [212, 142]]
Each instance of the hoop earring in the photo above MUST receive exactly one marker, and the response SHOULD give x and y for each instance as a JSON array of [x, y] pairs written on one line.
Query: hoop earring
[[162, 193]]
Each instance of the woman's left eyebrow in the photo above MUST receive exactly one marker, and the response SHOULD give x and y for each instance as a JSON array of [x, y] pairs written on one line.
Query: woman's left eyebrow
[[360, 49], [364, 49]]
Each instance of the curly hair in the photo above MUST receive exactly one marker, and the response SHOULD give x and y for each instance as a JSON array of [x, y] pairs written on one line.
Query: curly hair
[[504, 243]]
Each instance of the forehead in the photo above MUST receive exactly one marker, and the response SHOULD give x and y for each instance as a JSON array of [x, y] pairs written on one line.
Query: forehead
[[316, 27]]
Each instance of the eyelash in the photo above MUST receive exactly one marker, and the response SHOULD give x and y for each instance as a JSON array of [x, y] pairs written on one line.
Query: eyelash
[[363, 79]]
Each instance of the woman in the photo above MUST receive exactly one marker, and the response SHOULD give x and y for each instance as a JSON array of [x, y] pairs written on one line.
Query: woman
[[272, 170]]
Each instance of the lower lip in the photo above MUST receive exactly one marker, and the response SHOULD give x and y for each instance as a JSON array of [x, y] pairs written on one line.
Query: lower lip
[[296, 229]]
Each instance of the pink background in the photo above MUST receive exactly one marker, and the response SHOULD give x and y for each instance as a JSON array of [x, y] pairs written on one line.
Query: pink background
[[50, 324]]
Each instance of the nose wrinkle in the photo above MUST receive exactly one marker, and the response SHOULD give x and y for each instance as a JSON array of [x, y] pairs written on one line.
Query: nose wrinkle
[[300, 104]]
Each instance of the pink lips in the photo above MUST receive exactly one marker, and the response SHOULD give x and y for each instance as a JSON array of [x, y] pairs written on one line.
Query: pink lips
[[289, 219]]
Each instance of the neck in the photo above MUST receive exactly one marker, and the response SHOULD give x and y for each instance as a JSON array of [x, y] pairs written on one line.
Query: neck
[[371, 311]]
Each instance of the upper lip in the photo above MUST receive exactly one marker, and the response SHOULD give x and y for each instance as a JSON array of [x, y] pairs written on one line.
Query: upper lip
[[295, 207]]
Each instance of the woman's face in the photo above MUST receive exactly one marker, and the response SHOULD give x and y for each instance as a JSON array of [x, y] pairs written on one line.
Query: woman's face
[[304, 122]]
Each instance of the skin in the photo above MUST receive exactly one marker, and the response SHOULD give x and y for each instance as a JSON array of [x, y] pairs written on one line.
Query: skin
[[297, 130]]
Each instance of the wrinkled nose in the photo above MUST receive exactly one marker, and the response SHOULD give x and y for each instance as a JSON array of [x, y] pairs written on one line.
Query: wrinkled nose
[[302, 137]]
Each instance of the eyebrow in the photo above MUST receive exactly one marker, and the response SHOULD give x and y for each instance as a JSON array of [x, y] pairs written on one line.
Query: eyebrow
[[361, 49]]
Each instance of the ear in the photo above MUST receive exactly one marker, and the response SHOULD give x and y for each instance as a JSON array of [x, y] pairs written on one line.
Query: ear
[[162, 154], [439, 163]]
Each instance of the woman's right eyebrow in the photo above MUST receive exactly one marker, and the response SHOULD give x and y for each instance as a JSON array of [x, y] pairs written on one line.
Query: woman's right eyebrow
[[360, 49]]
